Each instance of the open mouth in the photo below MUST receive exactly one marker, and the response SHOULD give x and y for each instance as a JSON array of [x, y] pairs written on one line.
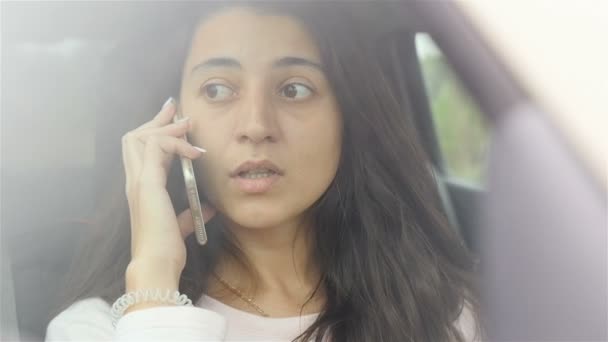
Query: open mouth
[[256, 181], [256, 177], [255, 174]]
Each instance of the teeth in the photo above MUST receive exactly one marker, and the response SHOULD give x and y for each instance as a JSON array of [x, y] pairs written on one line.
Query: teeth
[[257, 174]]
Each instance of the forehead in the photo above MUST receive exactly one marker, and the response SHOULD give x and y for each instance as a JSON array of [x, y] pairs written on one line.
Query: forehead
[[251, 37]]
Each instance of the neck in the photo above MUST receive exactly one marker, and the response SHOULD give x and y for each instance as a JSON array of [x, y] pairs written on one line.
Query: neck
[[283, 271]]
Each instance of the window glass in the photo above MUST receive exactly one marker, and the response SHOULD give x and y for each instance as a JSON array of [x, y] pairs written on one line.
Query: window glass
[[460, 127]]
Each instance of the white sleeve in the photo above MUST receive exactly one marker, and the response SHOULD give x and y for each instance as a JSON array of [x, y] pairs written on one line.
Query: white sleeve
[[90, 320]]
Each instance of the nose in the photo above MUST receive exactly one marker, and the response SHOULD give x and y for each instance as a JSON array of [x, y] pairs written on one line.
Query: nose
[[256, 121]]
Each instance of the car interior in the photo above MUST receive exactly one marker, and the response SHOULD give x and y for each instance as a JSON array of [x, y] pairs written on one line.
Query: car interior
[[37, 248], [62, 197]]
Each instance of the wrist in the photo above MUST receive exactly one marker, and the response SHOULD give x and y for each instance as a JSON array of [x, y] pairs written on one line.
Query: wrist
[[147, 274], [146, 298], [145, 305]]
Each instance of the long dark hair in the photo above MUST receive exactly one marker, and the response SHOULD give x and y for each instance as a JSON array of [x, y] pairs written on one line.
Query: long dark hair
[[392, 267]]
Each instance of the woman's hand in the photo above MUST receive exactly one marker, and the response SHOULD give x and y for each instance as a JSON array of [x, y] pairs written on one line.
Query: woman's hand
[[157, 233]]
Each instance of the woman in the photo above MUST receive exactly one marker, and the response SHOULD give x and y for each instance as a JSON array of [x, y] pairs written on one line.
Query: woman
[[323, 218]]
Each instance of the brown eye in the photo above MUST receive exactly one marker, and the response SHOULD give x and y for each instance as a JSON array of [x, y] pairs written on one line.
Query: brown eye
[[296, 91], [217, 92]]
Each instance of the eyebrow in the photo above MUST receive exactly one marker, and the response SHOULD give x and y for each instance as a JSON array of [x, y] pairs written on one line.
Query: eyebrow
[[227, 62]]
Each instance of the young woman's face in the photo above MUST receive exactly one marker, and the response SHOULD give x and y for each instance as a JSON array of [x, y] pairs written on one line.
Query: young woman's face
[[254, 89]]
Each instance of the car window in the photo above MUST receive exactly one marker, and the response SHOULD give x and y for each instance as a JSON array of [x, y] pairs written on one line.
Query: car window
[[462, 132]]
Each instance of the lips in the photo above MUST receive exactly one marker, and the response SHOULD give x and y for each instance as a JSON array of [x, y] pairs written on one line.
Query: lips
[[252, 165], [269, 175]]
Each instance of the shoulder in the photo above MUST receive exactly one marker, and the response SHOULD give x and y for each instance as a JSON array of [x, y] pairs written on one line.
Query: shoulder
[[87, 317]]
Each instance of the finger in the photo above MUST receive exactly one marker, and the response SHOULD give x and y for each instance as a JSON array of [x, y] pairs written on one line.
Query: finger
[[186, 223], [208, 212], [178, 129], [163, 117], [159, 151]]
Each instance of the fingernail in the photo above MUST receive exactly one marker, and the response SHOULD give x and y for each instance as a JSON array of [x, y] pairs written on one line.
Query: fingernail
[[185, 118], [170, 100], [200, 149]]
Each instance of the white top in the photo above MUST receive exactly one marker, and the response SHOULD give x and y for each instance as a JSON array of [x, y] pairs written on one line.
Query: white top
[[208, 320]]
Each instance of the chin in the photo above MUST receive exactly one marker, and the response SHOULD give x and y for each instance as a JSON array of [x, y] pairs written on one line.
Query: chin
[[257, 215]]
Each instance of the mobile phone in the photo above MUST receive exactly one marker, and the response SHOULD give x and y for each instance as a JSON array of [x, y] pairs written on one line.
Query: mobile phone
[[192, 191]]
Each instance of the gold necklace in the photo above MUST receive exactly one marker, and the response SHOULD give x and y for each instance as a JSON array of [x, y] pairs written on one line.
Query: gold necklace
[[241, 295]]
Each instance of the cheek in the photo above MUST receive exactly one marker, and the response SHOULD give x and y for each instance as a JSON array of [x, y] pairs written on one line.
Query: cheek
[[209, 169], [315, 159], [323, 139]]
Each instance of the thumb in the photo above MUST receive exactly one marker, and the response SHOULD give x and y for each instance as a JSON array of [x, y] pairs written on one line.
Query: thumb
[[186, 223]]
